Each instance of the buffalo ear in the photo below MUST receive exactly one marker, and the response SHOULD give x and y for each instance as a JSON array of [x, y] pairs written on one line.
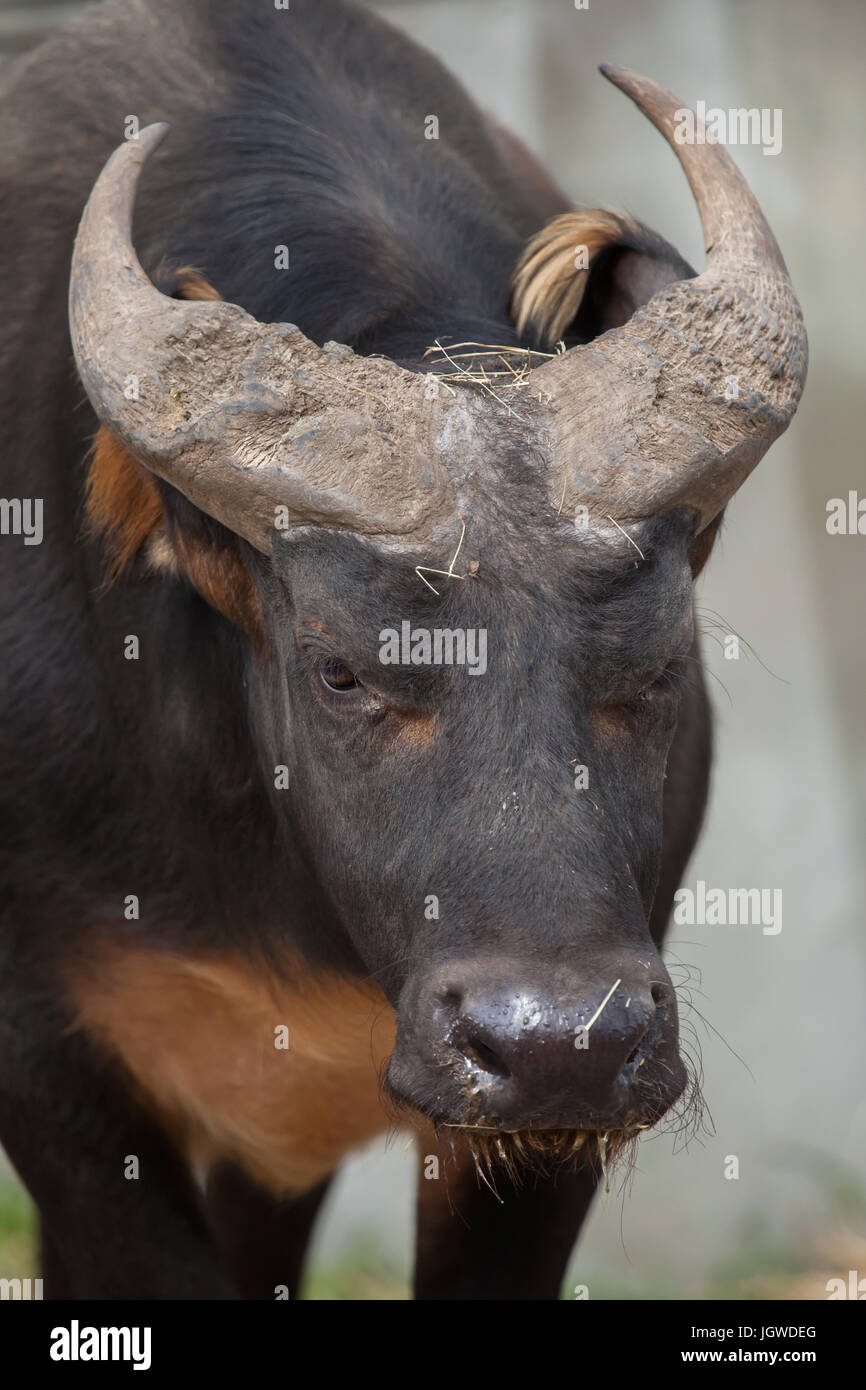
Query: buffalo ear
[[144, 525], [212, 559], [623, 279], [703, 545], [587, 272], [122, 505]]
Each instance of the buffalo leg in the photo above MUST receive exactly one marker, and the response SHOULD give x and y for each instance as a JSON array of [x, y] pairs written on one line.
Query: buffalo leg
[[470, 1245], [56, 1283], [264, 1237], [70, 1127]]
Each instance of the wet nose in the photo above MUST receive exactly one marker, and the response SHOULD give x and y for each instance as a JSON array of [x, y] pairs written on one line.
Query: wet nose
[[557, 1052]]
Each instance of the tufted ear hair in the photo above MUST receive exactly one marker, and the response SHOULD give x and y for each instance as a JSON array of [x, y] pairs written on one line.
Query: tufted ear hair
[[586, 272]]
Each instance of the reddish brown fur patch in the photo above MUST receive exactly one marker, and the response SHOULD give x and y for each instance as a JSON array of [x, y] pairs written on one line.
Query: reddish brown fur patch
[[197, 1036], [122, 504], [547, 287], [123, 507], [219, 574], [416, 731]]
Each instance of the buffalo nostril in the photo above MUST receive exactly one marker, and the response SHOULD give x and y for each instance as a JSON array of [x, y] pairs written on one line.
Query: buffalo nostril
[[474, 1049], [451, 999], [637, 1053]]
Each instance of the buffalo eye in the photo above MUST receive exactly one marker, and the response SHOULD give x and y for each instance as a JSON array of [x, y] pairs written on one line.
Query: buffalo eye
[[646, 691], [664, 682], [663, 687], [336, 676]]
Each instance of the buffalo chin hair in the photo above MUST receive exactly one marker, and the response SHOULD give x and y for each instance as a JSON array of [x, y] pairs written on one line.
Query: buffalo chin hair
[[529, 1152]]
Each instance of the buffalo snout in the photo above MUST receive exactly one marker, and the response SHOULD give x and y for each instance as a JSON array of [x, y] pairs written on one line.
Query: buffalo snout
[[509, 1046]]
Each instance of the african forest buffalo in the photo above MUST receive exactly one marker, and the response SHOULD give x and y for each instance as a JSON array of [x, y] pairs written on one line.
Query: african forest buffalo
[[285, 861]]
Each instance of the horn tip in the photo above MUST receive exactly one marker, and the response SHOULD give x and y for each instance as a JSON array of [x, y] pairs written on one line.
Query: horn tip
[[656, 103], [615, 74], [627, 81], [153, 135]]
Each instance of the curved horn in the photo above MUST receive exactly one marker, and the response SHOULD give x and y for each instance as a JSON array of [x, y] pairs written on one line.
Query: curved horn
[[244, 417], [678, 406]]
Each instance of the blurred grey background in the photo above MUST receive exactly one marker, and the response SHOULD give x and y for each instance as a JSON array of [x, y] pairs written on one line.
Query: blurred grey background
[[782, 1021]]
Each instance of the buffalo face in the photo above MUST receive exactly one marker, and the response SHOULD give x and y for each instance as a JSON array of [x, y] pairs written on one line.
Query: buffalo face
[[491, 837]]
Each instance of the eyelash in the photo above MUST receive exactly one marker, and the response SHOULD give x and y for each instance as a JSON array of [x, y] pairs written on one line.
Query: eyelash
[[664, 679]]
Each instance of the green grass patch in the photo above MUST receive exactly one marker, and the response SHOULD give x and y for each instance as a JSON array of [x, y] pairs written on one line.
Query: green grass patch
[[18, 1239]]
